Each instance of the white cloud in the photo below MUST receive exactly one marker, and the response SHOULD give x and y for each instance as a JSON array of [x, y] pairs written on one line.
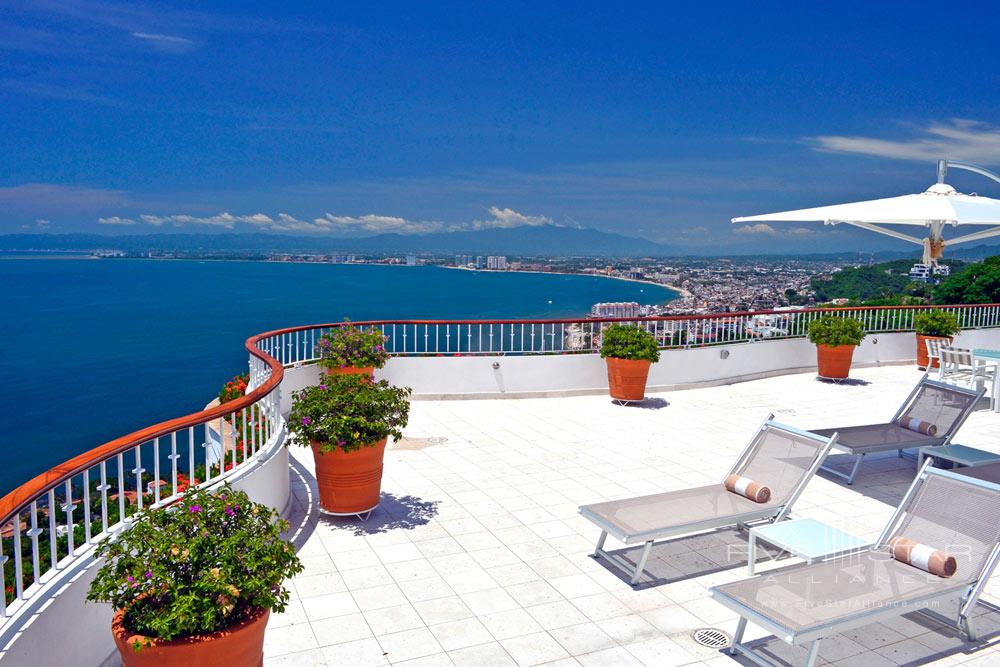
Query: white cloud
[[507, 218], [224, 219], [42, 223], [759, 228], [166, 43], [115, 220], [957, 139], [379, 224]]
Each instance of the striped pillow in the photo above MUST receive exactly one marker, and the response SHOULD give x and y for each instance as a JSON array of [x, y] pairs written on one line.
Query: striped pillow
[[918, 425], [922, 556], [748, 488]]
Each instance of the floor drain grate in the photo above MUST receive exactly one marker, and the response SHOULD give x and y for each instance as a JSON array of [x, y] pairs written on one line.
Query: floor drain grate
[[712, 637], [437, 440]]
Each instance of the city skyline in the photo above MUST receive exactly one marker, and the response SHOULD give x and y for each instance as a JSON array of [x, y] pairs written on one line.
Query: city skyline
[[656, 123]]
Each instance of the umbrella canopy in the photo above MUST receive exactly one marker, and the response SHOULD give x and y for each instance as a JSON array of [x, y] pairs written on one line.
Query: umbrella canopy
[[938, 206]]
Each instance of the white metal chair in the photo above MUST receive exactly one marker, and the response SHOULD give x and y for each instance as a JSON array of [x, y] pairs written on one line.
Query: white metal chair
[[960, 366], [933, 351]]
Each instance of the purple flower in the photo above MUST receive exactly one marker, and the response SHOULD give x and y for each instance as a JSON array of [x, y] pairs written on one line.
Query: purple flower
[[306, 421], [130, 579], [194, 509], [229, 511], [149, 574], [323, 387], [341, 443]]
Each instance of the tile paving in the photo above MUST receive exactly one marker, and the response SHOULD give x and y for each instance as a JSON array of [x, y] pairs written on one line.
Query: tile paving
[[477, 555]]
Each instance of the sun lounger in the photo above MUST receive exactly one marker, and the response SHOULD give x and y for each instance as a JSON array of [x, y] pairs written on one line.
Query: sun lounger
[[780, 457], [803, 604], [943, 405]]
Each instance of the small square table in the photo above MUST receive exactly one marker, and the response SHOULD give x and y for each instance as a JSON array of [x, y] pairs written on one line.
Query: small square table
[[960, 455], [806, 538]]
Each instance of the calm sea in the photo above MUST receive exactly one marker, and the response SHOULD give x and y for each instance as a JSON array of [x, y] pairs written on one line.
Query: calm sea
[[94, 349]]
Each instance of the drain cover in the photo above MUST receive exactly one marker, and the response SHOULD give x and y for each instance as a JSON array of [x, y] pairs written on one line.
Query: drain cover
[[437, 440], [712, 637]]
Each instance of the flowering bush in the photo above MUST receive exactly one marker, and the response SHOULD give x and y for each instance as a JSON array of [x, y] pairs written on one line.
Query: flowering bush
[[200, 566], [349, 412], [235, 388], [348, 345]]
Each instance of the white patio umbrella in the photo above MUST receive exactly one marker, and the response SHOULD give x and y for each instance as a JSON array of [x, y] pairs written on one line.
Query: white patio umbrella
[[939, 206]]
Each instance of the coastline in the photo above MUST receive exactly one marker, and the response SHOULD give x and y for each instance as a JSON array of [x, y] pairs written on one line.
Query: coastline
[[681, 292]]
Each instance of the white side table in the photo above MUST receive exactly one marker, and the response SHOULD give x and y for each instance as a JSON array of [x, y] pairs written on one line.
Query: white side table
[[808, 539], [960, 455]]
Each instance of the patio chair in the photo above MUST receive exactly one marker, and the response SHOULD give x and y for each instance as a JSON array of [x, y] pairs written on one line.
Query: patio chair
[[956, 365], [778, 456], [943, 405], [803, 604], [933, 351]]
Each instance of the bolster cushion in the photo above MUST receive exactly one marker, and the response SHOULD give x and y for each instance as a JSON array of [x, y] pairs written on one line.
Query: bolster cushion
[[748, 488], [918, 425], [922, 556]]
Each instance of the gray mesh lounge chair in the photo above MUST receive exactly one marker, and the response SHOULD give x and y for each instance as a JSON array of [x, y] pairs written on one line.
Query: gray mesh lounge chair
[[803, 604], [781, 457], [946, 406]]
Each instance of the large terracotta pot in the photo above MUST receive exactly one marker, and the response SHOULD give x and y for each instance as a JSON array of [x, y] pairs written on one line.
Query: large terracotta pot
[[922, 358], [351, 370], [239, 646], [834, 361], [349, 483], [627, 378]]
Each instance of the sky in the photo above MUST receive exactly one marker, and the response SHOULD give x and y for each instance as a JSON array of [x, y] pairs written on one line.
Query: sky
[[657, 120]]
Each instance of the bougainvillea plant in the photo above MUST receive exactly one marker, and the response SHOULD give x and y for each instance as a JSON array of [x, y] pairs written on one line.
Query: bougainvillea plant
[[348, 345], [235, 388], [209, 562], [349, 412]]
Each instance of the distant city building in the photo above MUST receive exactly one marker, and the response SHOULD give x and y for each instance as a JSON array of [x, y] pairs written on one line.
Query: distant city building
[[627, 309], [479, 261], [496, 263], [411, 260], [926, 273], [463, 260]]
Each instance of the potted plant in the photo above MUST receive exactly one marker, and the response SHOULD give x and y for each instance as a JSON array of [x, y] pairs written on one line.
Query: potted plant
[[346, 420], [835, 339], [348, 350], [195, 583], [933, 324], [628, 351]]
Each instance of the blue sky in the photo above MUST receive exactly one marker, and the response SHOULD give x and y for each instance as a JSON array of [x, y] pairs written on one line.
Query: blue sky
[[660, 121]]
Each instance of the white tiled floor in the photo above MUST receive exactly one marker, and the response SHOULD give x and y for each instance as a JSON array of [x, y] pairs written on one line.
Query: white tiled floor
[[477, 555]]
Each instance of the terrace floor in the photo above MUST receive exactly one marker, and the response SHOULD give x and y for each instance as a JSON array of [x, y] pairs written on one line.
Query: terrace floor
[[477, 555]]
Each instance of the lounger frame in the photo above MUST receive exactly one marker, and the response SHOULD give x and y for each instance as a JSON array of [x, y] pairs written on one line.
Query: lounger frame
[[860, 452], [969, 591], [772, 514]]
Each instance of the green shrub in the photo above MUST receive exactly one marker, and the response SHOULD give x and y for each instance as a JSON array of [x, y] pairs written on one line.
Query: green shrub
[[349, 412], [833, 330], [205, 564], [348, 345], [624, 341], [936, 323]]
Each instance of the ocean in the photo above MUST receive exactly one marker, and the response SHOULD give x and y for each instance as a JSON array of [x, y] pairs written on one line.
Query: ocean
[[95, 349]]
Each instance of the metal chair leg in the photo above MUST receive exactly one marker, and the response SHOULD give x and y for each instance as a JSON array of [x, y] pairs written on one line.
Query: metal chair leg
[[642, 562]]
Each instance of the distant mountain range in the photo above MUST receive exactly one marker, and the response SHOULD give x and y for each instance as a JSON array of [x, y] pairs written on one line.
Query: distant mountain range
[[524, 241], [540, 241]]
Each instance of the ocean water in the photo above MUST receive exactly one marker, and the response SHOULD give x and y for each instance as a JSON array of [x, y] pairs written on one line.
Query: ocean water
[[95, 349]]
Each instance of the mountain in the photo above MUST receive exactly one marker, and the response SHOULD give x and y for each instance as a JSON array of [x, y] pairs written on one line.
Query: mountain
[[522, 241]]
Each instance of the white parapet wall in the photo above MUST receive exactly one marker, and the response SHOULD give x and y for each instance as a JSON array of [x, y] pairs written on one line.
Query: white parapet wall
[[568, 374]]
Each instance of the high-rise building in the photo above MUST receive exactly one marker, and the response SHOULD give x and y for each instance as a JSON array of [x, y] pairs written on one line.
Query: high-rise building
[[411, 260], [463, 260], [629, 309], [496, 263], [479, 261]]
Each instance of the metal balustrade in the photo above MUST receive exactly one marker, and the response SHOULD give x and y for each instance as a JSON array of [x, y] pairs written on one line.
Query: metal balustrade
[[298, 345], [54, 520]]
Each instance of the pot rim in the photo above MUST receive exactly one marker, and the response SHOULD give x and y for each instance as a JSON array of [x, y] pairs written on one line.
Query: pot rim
[[125, 636]]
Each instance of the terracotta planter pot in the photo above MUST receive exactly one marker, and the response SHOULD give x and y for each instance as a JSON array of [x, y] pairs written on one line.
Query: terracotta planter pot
[[922, 358], [349, 483], [834, 361], [239, 646], [627, 378], [351, 370]]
